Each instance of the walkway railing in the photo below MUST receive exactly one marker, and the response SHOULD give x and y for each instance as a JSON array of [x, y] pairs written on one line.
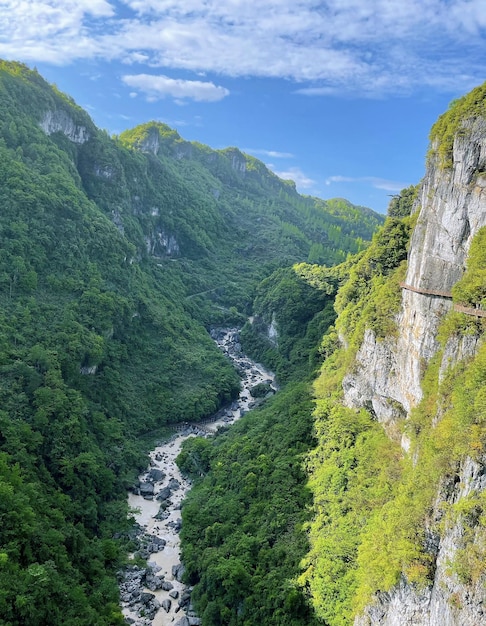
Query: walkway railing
[[460, 308], [427, 292]]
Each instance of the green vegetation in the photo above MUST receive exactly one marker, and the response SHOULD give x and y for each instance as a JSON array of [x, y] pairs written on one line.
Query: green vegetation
[[116, 256], [355, 467], [242, 522], [300, 313], [372, 294], [453, 123], [374, 519], [401, 205], [470, 290]]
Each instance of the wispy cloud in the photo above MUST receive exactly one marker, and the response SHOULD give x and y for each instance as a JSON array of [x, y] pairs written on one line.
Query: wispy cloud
[[273, 154], [367, 48], [156, 87], [374, 181], [301, 180]]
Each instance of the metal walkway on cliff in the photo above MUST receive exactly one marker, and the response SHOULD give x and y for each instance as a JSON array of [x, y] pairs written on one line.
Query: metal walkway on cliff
[[460, 308]]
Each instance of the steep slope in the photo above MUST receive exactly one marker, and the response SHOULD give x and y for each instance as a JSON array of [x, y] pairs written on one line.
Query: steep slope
[[115, 257], [398, 535]]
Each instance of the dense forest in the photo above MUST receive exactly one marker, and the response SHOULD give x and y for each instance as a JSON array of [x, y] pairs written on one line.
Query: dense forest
[[117, 255], [245, 557], [386, 481]]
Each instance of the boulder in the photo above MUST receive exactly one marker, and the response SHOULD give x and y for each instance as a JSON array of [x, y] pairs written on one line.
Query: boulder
[[178, 572], [164, 493], [176, 524], [146, 597], [146, 489], [153, 582], [185, 598], [174, 484], [166, 604], [167, 586], [156, 475]]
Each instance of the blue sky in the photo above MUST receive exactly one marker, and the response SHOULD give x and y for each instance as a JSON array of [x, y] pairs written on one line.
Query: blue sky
[[338, 95]]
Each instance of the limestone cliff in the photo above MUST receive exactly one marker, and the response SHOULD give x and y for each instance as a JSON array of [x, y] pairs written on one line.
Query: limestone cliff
[[452, 207], [388, 374], [61, 121]]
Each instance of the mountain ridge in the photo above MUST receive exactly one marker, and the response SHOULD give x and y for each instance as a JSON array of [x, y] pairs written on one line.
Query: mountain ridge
[[113, 266]]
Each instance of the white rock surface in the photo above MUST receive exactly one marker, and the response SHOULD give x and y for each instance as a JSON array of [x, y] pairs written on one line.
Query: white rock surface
[[55, 121]]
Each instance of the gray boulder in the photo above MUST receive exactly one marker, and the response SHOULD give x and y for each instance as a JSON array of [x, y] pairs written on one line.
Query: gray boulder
[[166, 604], [146, 489], [156, 475], [178, 572]]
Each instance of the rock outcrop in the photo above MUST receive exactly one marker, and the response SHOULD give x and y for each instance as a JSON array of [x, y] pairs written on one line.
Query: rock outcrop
[[61, 121], [451, 209], [388, 372]]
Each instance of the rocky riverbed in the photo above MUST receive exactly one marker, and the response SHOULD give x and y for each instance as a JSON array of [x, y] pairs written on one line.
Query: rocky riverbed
[[154, 595]]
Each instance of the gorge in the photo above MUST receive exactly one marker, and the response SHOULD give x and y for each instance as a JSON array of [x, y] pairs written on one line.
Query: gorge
[[353, 496], [158, 498]]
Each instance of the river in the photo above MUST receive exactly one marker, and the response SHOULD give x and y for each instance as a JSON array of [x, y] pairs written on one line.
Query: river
[[154, 595]]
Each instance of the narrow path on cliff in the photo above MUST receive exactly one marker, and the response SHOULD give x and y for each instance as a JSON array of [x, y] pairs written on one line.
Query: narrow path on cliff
[[460, 308]]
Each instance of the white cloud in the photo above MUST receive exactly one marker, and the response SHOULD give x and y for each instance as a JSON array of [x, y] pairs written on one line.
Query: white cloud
[[301, 180], [366, 48], [374, 181], [160, 86], [274, 154]]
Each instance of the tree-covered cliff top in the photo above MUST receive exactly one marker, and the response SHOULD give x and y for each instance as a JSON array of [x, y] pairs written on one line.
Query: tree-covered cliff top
[[452, 122]]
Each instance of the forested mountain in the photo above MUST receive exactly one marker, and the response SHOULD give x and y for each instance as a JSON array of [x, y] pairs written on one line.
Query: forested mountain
[[117, 254], [396, 469]]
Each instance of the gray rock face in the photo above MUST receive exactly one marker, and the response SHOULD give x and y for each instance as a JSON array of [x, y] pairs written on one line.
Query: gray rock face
[[388, 373], [60, 121], [453, 208]]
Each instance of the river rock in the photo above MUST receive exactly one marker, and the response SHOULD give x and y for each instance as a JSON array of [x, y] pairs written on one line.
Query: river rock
[[153, 582], [156, 475], [164, 493], [174, 594], [178, 572], [146, 489], [167, 586], [184, 621], [176, 525], [162, 514], [146, 597], [174, 484], [166, 604], [185, 598], [154, 544]]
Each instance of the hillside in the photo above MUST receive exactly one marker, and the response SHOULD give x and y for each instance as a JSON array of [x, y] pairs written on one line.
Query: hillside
[[395, 455], [117, 256], [398, 476]]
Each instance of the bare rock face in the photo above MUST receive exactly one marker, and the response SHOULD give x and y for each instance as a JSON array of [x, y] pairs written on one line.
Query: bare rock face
[[452, 208], [388, 373], [60, 121]]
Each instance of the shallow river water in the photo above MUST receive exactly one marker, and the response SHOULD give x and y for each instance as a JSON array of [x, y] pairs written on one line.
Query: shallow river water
[[155, 595]]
